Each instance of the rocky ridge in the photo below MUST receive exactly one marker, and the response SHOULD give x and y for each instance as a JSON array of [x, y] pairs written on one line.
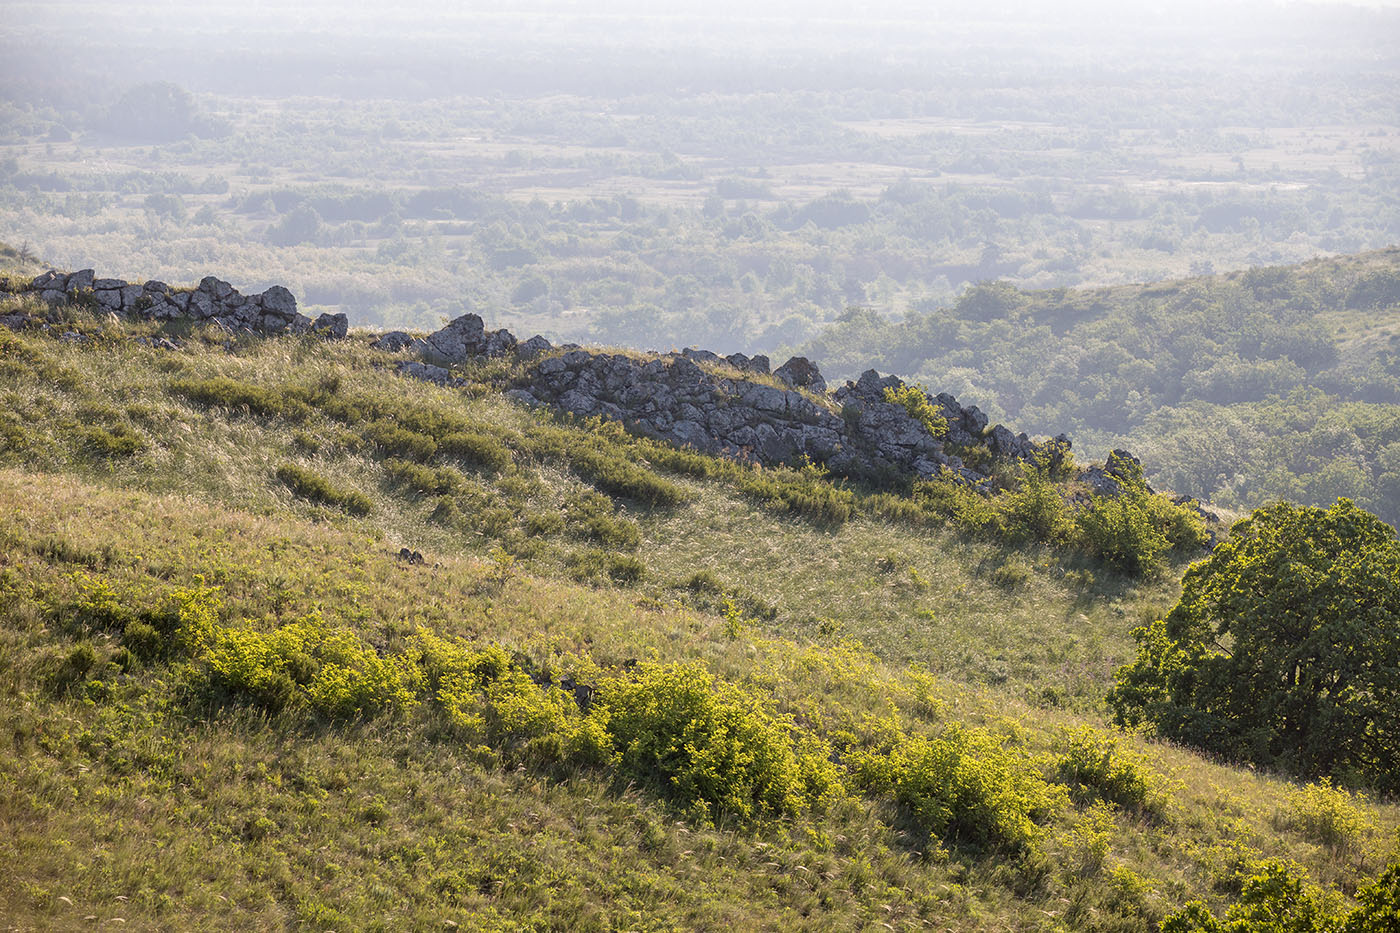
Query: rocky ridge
[[726, 405], [733, 405], [213, 301]]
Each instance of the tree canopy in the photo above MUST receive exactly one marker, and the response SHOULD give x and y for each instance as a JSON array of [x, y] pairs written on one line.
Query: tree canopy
[[1284, 649]]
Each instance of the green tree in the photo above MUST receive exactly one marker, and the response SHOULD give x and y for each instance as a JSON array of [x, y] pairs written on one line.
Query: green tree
[[1284, 649]]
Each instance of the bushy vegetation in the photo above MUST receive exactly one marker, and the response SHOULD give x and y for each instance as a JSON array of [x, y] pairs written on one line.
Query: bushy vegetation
[[1283, 648], [915, 400], [311, 485], [792, 722], [1293, 393], [963, 785], [1095, 766], [713, 749], [1277, 900]]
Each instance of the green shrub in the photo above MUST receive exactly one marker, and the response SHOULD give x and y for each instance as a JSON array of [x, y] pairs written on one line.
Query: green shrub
[[143, 641], [1035, 511], [65, 671], [599, 566], [476, 448], [1378, 904], [425, 480], [398, 441], [1274, 900], [618, 477], [333, 670], [488, 700], [118, 441], [711, 748], [809, 496], [1095, 767], [1329, 816], [1013, 572], [1132, 530], [704, 581], [316, 488], [920, 407], [1120, 532], [544, 524], [590, 515], [232, 394], [964, 787]]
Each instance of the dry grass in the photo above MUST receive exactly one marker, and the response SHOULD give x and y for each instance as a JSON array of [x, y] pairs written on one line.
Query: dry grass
[[230, 819]]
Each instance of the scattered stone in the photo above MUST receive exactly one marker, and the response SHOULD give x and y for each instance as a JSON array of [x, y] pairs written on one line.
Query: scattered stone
[[278, 302], [801, 373], [535, 347], [79, 281], [332, 326], [427, 372], [394, 341]]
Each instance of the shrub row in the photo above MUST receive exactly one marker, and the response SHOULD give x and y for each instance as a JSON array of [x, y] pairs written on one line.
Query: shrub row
[[311, 485], [714, 750]]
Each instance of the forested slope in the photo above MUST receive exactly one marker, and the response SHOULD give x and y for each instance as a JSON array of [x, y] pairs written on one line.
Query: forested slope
[[1237, 388]]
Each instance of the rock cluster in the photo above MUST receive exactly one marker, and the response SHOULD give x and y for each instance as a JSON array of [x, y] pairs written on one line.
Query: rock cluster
[[212, 301], [730, 405], [855, 431], [463, 339]]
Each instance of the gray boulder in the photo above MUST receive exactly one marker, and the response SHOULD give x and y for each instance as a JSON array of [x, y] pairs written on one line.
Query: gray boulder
[[425, 371], [461, 339], [78, 281], [277, 302], [332, 326], [498, 343], [393, 341], [536, 346], [801, 373]]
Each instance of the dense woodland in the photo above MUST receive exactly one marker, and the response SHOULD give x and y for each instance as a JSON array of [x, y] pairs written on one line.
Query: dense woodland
[[1274, 383]]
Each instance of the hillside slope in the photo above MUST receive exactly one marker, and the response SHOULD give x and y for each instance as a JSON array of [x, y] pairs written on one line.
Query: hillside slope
[[287, 640]]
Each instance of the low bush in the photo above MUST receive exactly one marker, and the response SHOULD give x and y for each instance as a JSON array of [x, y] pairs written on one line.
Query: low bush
[[711, 748], [1132, 530], [111, 443], [331, 669], [915, 400], [1013, 572], [791, 491], [590, 515], [488, 701], [476, 448], [618, 477], [1328, 816], [1276, 899], [964, 787], [316, 488], [599, 566], [1035, 510], [1095, 767], [425, 480], [398, 441], [233, 395]]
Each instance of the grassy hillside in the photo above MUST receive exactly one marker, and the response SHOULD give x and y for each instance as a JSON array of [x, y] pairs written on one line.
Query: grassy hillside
[[1238, 388], [626, 687]]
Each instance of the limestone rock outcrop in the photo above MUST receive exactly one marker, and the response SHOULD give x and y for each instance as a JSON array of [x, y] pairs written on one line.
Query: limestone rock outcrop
[[215, 301]]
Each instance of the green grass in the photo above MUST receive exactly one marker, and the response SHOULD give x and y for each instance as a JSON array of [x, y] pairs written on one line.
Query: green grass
[[163, 783]]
